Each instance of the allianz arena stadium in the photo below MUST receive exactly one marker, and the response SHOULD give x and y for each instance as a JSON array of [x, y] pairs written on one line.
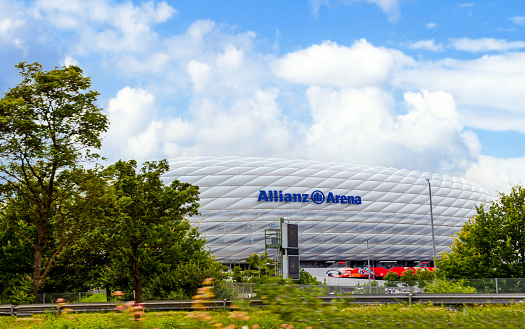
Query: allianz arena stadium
[[335, 205]]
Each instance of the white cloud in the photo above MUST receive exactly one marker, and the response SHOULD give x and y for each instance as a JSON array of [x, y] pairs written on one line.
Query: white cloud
[[231, 59], [330, 64], [199, 28], [179, 131], [130, 114], [13, 25], [106, 27], [145, 145], [488, 119], [486, 44], [431, 25], [349, 114], [199, 74], [316, 5], [427, 44], [466, 5], [358, 125], [69, 61], [518, 20], [490, 82], [7, 25], [496, 174], [251, 126], [389, 7]]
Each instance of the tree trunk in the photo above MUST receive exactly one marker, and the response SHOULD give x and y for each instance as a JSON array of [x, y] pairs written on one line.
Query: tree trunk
[[108, 293], [37, 277], [136, 274]]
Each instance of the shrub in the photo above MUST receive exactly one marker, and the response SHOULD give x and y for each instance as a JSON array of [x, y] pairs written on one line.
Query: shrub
[[307, 278], [181, 282], [20, 290], [94, 298], [442, 286]]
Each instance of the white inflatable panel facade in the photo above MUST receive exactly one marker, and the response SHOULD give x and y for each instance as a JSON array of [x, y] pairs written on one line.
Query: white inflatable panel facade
[[334, 204]]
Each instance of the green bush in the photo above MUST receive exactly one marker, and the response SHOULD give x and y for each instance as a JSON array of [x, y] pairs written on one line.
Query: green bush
[[306, 278], [181, 282], [391, 279], [94, 298], [20, 290], [443, 286]]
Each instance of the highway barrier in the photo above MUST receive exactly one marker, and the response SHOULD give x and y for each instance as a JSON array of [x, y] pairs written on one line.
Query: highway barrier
[[173, 305]]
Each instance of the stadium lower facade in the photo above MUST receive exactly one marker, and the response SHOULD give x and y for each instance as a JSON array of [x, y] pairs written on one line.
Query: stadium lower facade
[[336, 205]]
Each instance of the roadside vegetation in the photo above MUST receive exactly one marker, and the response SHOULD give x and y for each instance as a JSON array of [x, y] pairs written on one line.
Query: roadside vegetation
[[286, 306], [377, 316]]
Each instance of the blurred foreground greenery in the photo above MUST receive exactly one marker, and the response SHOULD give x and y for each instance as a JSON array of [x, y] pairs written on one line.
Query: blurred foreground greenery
[[371, 316], [286, 305]]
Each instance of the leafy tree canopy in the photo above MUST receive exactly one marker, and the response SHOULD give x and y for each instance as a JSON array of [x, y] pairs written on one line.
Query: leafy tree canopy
[[49, 126], [492, 243], [147, 231]]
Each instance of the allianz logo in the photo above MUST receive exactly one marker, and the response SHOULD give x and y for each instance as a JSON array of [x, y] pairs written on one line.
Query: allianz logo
[[316, 197]]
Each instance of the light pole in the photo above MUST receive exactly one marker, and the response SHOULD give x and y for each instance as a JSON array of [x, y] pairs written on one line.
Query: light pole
[[432, 223], [368, 256]]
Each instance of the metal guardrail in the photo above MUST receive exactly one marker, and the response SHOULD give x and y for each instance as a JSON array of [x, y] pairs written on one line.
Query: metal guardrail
[[7, 309], [173, 305], [438, 299]]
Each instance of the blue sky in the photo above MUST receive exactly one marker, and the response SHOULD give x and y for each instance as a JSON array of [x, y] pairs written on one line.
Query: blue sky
[[427, 85]]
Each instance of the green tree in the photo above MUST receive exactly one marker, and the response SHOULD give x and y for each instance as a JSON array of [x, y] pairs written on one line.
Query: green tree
[[391, 279], [147, 231], [237, 274], [492, 243], [16, 259], [260, 268], [306, 278], [49, 126]]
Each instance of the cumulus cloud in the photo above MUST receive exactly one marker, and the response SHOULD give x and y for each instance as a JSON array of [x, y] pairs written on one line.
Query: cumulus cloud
[[130, 114], [497, 175], [124, 32], [199, 74], [486, 44], [359, 125], [349, 113], [331, 64], [494, 82], [251, 126]]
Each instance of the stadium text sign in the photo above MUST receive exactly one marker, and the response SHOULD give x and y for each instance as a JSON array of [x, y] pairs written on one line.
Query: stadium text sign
[[316, 197]]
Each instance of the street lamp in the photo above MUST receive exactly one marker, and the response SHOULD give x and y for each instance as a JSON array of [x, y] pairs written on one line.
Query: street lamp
[[368, 254], [432, 222]]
